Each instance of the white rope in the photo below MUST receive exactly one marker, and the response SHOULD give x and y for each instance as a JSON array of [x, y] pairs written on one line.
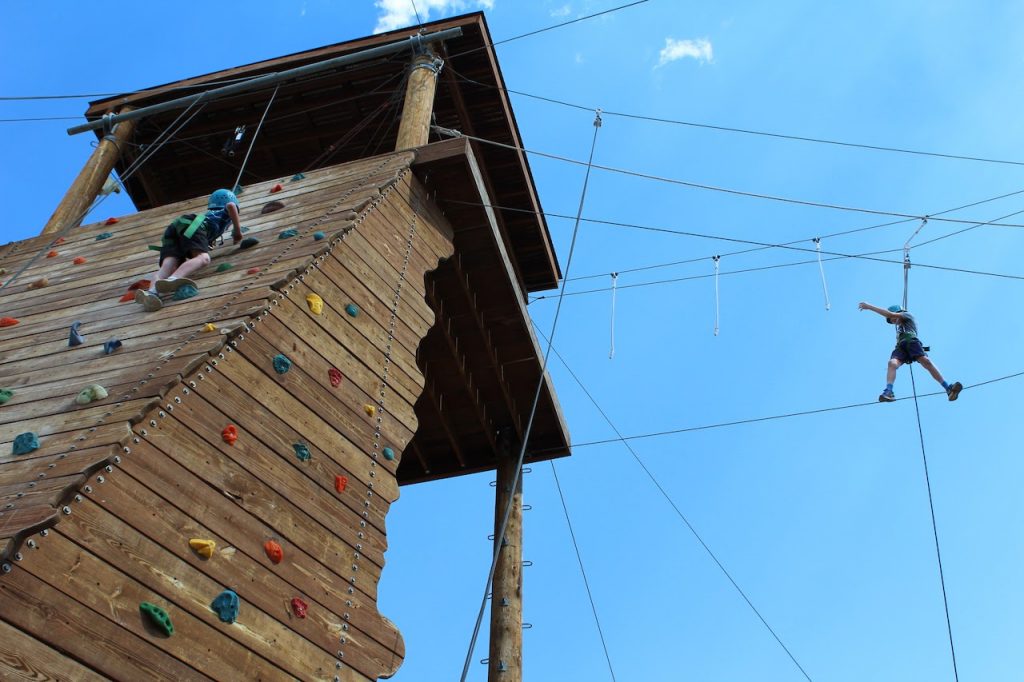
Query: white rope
[[716, 259], [611, 350], [821, 268]]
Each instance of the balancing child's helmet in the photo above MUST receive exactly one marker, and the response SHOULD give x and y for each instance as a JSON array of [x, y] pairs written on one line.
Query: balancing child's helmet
[[221, 198], [894, 309]]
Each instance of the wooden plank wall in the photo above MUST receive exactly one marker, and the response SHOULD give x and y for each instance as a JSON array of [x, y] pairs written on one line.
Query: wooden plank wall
[[124, 538]]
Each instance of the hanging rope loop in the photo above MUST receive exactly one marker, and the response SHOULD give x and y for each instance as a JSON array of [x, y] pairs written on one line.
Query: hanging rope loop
[[611, 350], [821, 268], [716, 259]]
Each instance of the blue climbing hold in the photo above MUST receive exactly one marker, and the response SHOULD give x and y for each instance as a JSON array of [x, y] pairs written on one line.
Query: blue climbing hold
[[104, 235], [318, 235], [281, 363], [352, 309], [302, 452], [112, 345], [389, 454], [186, 291], [25, 443], [298, 176], [288, 234], [226, 606], [74, 338]]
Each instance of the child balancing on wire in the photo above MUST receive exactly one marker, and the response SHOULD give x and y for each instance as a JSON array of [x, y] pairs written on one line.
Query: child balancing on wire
[[186, 246], [908, 349]]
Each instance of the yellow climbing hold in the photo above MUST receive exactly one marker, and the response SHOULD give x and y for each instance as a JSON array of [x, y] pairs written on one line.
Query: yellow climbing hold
[[203, 548], [209, 327], [315, 303], [369, 409]]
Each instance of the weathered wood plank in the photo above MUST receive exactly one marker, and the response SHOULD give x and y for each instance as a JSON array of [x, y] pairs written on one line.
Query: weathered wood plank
[[26, 658]]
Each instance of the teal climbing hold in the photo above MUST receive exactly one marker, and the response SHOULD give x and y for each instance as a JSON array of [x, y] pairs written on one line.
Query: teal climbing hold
[[298, 176], [318, 235], [226, 606], [302, 452], [352, 309], [389, 454], [25, 443], [158, 617], [104, 235], [281, 363], [183, 292], [224, 267], [248, 243], [288, 234], [5, 395]]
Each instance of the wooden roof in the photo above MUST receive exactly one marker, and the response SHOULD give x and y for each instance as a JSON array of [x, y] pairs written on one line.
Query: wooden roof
[[342, 115]]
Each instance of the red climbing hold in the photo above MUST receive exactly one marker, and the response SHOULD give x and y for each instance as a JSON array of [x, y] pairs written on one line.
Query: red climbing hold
[[79, 260], [274, 551], [340, 482], [130, 296], [58, 241], [276, 188], [141, 284], [112, 221], [252, 271], [52, 254], [335, 377], [299, 607], [229, 434], [7, 322]]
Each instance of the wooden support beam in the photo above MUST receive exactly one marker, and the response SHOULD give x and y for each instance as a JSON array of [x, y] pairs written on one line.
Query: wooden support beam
[[505, 660], [438, 410], [86, 187], [414, 130]]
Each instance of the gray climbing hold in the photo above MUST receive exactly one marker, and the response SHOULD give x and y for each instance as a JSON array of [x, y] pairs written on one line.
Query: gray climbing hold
[[74, 338], [112, 345]]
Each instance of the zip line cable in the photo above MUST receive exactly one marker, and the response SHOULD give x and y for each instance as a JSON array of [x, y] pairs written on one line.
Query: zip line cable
[[500, 534], [821, 268], [625, 441], [583, 572]]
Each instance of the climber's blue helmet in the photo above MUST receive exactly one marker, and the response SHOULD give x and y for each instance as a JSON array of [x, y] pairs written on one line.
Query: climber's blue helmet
[[894, 309], [221, 198]]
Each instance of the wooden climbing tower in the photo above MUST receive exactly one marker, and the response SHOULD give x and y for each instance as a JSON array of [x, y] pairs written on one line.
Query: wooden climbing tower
[[252, 438]]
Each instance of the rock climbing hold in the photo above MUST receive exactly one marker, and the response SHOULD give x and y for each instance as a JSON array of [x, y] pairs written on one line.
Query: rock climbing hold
[[318, 235], [369, 409], [209, 327], [111, 221], [158, 617], [183, 292], [130, 294], [226, 606], [273, 551], [90, 393], [389, 454], [248, 243], [79, 260], [224, 267], [74, 338], [5, 395], [276, 188], [203, 548], [25, 443], [52, 254], [299, 607], [287, 234], [39, 283], [352, 309], [340, 482], [298, 176], [302, 452], [112, 345], [252, 271], [335, 376], [281, 363], [104, 235], [229, 434], [271, 206], [315, 303], [7, 322], [58, 241]]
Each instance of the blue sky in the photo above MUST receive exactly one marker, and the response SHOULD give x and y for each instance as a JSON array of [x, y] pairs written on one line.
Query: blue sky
[[823, 520]]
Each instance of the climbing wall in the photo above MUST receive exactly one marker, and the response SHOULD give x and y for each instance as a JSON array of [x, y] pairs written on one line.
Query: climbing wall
[[237, 531]]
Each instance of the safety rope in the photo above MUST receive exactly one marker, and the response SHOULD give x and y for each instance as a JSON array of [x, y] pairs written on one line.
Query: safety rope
[[256, 134], [821, 268], [611, 350], [716, 259]]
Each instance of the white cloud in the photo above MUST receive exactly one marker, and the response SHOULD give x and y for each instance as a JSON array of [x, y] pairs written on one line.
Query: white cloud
[[560, 12], [401, 13], [699, 49]]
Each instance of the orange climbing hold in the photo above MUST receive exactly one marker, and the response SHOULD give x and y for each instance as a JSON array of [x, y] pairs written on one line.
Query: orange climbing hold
[[340, 482], [274, 551], [8, 321], [276, 188], [229, 434], [112, 221], [52, 254], [79, 260], [203, 548]]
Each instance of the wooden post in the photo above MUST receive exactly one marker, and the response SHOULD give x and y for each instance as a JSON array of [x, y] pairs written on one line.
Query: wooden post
[[87, 185], [414, 130], [506, 650]]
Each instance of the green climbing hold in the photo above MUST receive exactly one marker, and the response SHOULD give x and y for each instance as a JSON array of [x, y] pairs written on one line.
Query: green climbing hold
[[288, 234], [302, 452], [248, 243], [389, 454], [281, 363], [352, 309], [226, 606], [104, 235], [158, 617], [224, 267], [298, 176], [183, 292], [5, 395], [318, 235], [25, 443], [91, 393]]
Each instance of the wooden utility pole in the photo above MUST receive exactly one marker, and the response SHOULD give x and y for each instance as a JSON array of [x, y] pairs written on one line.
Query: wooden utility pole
[[87, 185], [414, 130], [505, 662]]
